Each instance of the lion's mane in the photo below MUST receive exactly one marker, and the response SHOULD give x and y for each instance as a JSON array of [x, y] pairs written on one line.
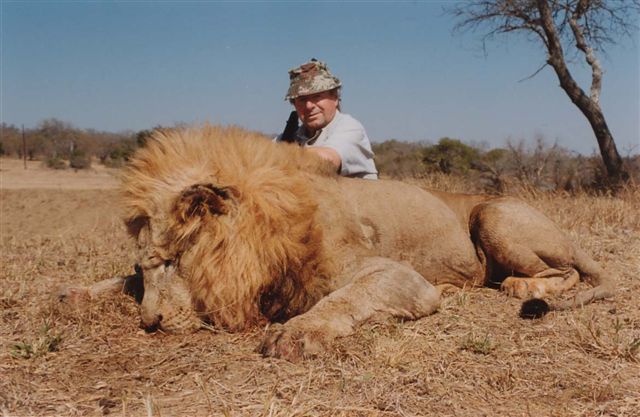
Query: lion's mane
[[261, 254]]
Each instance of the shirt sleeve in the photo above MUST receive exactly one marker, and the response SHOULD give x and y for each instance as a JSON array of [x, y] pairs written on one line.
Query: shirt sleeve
[[352, 144]]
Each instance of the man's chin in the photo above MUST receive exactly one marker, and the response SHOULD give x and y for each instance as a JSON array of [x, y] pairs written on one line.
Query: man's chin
[[315, 124]]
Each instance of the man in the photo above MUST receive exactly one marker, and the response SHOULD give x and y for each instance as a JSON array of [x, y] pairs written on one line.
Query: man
[[325, 131]]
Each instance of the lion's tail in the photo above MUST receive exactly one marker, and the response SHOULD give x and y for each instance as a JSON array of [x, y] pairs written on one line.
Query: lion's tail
[[602, 283]]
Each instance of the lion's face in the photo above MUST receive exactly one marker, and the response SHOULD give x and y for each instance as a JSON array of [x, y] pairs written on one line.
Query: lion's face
[[167, 243], [227, 229], [167, 302]]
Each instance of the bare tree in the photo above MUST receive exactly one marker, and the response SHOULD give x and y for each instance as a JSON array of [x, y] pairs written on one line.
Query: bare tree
[[583, 27]]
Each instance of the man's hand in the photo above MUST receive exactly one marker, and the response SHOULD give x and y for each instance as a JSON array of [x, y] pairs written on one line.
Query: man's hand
[[328, 154]]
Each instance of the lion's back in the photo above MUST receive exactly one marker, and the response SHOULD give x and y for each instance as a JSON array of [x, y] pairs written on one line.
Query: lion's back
[[402, 222]]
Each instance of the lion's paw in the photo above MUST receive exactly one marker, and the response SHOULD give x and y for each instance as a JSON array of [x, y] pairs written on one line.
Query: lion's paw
[[286, 342], [524, 288], [74, 296]]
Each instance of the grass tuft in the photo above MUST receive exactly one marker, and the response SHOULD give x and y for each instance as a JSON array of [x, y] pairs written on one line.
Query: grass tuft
[[44, 344], [481, 345]]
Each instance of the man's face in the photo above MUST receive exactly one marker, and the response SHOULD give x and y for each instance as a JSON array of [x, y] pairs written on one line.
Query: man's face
[[316, 110]]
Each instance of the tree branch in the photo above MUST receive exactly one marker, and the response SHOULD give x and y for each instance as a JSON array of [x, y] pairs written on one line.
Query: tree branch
[[535, 73], [587, 50]]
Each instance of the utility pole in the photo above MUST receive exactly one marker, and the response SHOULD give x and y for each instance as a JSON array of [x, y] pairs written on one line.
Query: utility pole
[[24, 148]]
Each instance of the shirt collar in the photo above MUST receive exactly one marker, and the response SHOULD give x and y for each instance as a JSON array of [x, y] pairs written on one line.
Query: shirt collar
[[302, 137]]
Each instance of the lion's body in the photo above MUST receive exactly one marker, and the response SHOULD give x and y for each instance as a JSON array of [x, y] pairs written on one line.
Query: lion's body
[[235, 229], [404, 223]]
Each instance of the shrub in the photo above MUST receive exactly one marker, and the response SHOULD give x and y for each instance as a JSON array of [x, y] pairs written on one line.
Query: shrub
[[450, 156], [396, 159], [56, 162], [79, 160]]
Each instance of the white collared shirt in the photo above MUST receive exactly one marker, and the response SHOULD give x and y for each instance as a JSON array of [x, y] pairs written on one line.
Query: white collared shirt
[[347, 137]]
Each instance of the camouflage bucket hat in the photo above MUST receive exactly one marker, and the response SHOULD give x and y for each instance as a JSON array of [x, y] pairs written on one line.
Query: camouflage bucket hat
[[310, 78]]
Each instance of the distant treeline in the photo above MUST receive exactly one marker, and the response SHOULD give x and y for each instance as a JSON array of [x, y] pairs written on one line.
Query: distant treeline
[[541, 165], [61, 145]]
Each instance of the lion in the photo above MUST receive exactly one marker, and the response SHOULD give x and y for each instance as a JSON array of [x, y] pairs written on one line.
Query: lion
[[234, 230]]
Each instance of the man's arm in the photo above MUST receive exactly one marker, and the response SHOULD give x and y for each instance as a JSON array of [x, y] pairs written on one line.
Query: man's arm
[[328, 154]]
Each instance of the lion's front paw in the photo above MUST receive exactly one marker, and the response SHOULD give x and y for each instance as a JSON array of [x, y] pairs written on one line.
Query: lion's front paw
[[524, 288], [74, 296], [287, 342]]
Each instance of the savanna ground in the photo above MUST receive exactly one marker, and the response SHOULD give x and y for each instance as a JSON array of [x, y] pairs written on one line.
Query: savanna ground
[[474, 357]]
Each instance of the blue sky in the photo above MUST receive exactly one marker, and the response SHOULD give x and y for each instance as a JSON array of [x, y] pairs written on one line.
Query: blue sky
[[136, 64]]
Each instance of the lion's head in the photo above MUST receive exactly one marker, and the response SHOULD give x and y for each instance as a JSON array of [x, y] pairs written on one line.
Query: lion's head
[[226, 228]]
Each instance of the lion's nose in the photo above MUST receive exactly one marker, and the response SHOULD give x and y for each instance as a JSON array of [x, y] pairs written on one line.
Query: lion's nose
[[151, 326]]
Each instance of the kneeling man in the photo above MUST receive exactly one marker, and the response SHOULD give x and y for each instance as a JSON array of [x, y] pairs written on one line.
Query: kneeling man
[[325, 131]]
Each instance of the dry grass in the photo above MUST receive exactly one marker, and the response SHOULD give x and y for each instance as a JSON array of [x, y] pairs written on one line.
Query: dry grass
[[473, 358], [14, 176]]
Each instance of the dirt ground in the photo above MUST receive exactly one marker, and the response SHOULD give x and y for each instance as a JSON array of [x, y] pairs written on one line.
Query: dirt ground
[[474, 357]]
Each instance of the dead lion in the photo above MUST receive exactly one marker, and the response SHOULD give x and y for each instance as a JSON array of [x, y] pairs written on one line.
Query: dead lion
[[234, 229]]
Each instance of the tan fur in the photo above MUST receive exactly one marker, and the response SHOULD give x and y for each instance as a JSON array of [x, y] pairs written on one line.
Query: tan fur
[[238, 230], [232, 260]]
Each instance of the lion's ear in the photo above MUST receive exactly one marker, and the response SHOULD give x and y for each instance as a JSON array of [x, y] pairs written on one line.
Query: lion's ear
[[200, 200]]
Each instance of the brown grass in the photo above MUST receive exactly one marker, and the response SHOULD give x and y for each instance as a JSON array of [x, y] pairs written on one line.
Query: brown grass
[[473, 358]]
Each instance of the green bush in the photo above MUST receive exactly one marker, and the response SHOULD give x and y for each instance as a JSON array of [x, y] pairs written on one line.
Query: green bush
[[450, 156], [398, 159]]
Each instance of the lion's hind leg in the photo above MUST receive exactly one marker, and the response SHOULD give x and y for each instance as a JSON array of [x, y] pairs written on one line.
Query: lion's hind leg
[[525, 251], [380, 288], [531, 257], [527, 274], [551, 281]]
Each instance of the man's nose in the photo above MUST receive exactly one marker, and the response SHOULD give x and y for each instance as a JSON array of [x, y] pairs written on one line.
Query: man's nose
[[309, 104]]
